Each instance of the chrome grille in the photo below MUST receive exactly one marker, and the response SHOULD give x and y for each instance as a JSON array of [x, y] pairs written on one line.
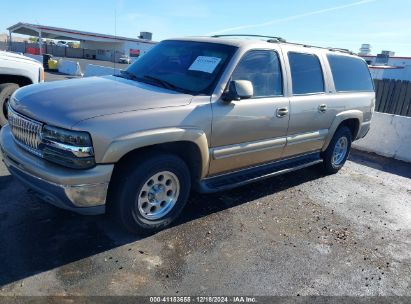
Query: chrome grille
[[26, 131]]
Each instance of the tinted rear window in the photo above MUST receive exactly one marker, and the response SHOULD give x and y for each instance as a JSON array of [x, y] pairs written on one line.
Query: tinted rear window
[[306, 73], [350, 74]]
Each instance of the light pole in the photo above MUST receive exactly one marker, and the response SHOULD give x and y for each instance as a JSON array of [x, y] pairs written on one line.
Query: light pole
[[10, 42], [40, 44]]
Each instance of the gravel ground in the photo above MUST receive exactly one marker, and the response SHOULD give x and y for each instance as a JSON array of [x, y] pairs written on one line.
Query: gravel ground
[[302, 233]]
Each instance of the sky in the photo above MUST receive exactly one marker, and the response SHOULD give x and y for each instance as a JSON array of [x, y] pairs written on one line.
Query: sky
[[385, 24]]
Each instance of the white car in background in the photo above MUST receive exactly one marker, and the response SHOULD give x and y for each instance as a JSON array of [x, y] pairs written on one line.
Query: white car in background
[[62, 43], [124, 59], [16, 71]]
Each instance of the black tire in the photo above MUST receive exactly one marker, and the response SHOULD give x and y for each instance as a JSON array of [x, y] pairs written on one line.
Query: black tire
[[329, 164], [123, 201], [6, 90]]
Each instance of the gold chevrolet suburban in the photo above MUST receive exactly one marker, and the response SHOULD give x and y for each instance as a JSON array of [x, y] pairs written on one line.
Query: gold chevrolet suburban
[[207, 113]]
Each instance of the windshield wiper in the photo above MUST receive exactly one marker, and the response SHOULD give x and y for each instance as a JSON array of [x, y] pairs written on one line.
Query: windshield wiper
[[167, 85], [152, 80], [162, 82], [127, 75]]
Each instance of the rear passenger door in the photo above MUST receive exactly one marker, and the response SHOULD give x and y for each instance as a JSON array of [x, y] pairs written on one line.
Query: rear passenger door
[[311, 114]]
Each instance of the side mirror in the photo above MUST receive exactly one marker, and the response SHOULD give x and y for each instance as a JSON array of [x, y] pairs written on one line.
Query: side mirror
[[239, 89]]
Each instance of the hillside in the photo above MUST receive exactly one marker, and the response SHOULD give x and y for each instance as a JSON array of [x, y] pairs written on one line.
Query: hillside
[[3, 37]]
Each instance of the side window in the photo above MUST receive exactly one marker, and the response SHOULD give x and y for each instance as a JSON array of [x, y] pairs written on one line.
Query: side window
[[350, 73], [263, 69], [306, 73]]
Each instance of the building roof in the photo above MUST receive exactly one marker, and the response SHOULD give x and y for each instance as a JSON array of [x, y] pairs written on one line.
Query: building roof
[[52, 32], [393, 57], [385, 67]]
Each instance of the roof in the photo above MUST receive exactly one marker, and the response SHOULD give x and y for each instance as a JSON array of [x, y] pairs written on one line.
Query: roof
[[257, 41], [233, 42], [67, 34]]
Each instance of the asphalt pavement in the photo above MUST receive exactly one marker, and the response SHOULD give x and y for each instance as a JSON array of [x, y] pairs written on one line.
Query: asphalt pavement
[[302, 233]]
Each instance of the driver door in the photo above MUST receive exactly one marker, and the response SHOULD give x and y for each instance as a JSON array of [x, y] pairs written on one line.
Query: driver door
[[251, 131]]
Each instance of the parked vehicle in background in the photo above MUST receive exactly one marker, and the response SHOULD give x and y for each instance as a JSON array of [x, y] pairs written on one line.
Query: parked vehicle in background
[[124, 59], [207, 114], [62, 43], [16, 71]]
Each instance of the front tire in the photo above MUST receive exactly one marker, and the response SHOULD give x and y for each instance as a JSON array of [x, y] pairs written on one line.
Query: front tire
[[6, 90], [337, 152], [151, 194]]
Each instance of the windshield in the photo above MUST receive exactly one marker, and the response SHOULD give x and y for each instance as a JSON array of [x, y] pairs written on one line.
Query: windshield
[[185, 66]]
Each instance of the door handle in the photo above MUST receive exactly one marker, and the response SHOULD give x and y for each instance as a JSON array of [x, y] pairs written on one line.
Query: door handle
[[322, 107], [281, 112]]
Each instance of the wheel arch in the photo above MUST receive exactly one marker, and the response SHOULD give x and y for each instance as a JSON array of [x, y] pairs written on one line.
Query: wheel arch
[[352, 119], [189, 144], [17, 79]]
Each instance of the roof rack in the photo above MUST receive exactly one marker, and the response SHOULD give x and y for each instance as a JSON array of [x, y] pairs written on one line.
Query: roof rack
[[270, 38], [342, 50], [321, 47], [275, 39]]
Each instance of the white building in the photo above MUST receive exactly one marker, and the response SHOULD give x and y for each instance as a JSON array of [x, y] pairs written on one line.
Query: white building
[[389, 61], [391, 72], [132, 48], [94, 45], [386, 65]]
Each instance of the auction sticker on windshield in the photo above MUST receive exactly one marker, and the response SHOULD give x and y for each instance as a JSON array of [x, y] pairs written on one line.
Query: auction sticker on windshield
[[205, 64]]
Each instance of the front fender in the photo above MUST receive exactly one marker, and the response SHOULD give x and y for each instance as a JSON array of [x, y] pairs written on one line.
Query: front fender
[[339, 118], [28, 71], [125, 144]]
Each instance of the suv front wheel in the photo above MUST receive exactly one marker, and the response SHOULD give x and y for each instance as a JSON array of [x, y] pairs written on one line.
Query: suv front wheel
[[151, 193], [336, 154]]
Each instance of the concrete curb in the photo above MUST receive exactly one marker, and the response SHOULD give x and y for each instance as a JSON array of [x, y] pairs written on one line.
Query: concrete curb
[[98, 70], [69, 67], [389, 136]]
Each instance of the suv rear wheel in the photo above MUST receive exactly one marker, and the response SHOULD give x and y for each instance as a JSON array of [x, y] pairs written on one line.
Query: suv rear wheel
[[152, 193], [6, 90], [338, 150]]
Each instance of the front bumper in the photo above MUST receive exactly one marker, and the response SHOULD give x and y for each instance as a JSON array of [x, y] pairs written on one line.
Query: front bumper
[[81, 191]]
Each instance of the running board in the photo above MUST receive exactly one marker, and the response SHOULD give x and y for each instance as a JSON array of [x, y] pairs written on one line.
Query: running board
[[246, 176]]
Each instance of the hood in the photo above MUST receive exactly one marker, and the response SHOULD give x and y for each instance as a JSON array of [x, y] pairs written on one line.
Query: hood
[[65, 103], [17, 57]]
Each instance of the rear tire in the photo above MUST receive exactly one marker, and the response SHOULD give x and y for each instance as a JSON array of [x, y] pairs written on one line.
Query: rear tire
[[337, 152], [6, 90], [150, 194]]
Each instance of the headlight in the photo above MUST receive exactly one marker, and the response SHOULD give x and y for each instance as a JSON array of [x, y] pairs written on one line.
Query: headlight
[[69, 148]]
